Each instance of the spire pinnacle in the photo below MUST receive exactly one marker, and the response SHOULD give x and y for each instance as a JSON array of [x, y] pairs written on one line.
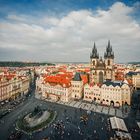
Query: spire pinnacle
[[94, 53], [109, 53], [94, 45], [108, 43]]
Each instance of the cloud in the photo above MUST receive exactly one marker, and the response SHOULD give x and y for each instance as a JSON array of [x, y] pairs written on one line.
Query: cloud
[[71, 37]]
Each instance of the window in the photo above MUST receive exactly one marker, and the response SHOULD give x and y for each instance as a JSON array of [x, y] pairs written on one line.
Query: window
[[94, 62], [108, 62]]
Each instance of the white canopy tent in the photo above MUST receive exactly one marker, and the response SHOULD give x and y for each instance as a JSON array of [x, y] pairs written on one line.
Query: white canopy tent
[[118, 124], [138, 123]]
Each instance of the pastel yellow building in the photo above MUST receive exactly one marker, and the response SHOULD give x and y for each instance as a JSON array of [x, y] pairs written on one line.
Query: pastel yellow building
[[13, 86], [109, 93], [92, 93], [136, 80]]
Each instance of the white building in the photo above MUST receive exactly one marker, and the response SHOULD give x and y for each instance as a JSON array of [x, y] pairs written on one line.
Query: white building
[[109, 93], [136, 80], [13, 86], [54, 87], [77, 87], [92, 93]]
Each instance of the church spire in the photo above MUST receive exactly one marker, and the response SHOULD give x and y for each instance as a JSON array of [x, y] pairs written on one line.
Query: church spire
[[94, 53], [109, 53], [108, 43]]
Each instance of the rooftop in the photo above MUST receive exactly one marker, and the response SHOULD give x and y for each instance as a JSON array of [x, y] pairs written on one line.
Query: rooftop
[[77, 77]]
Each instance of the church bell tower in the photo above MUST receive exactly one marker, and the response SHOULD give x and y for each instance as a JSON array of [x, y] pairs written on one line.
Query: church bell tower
[[109, 62], [94, 57], [101, 70]]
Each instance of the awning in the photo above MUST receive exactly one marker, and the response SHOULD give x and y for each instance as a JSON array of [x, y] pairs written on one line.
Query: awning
[[138, 123], [117, 123]]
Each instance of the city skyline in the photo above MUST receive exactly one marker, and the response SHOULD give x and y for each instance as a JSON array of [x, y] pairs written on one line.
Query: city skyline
[[65, 31]]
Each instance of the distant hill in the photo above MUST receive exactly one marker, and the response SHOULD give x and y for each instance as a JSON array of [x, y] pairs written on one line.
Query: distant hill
[[22, 64], [71, 62], [135, 63]]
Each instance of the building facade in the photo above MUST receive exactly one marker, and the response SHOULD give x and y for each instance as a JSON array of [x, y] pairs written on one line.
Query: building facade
[[136, 80], [109, 93], [77, 86], [116, 93], [13, 86], [56, 92], [92, 93], [54, 87]]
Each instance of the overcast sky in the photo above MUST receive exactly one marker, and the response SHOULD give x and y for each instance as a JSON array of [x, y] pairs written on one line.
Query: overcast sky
[[65, 30]]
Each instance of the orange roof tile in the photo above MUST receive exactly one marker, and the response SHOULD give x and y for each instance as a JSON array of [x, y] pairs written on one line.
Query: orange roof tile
[[129, 81], [84, 79], [62, 80]]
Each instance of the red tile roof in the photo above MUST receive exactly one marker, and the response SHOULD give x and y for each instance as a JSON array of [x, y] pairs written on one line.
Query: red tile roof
[[59, 79], [129, 81], [84, 79], [119, 76]]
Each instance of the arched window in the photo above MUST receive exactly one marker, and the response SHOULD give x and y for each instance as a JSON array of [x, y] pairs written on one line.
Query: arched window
[[108, 62], [100, 77], [94, 62]]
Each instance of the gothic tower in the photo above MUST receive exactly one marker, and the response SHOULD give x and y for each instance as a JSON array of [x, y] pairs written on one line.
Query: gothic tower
[[109, 62], [94, 57], [100, 69]]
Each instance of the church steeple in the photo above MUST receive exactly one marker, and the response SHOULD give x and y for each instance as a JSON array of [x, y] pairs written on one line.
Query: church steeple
[[102, 69], [109, 53], [94, 53]]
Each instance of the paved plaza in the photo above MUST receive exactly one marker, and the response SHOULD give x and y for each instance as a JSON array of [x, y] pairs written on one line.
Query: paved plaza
[[95, 108], [69, 118]]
